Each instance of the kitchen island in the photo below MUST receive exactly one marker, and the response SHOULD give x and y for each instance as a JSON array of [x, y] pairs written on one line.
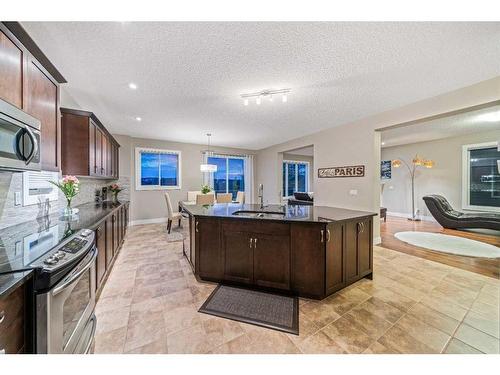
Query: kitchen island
[[310, 251]]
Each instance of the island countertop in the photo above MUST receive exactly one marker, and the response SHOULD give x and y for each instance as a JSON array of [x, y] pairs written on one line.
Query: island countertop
[[315, 214]]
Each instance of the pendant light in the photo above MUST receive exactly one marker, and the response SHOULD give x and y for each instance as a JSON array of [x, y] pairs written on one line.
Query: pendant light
[[208, 167]]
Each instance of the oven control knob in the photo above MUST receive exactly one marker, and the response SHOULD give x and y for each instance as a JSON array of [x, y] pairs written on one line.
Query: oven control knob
[[51, 260], [59, 254]]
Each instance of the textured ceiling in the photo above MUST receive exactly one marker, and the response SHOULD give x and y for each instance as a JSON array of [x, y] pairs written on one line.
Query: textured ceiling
[[486, 119], [190, 75]]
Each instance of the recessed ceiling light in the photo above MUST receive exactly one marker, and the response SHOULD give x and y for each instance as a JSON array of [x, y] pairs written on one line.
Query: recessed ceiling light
[[383, 143], [138, 119], [132, 86]]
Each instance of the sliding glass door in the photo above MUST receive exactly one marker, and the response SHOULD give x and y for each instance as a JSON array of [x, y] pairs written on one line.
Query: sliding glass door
[[230, 175]]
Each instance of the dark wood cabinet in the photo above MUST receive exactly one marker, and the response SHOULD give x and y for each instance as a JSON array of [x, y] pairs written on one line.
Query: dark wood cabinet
[[238, 257], [358, 249], [101, 256], [209, 250], [110, 234], [308, 258], [271, 261], [335, 258], [42, 102], [12, 66], [109, 240], [26, 83], [13, 322], [97, 149]]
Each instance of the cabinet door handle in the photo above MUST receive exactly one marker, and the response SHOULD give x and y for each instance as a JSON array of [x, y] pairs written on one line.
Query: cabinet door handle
[[322, 235], [2, 316], [255, 243], [328, 235], [251, 239], [196, 226]]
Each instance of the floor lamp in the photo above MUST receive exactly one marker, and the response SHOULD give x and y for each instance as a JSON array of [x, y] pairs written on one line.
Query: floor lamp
[[412, 167]]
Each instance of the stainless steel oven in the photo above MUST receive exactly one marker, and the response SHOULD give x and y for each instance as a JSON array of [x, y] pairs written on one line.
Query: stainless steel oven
[[65, 320], [19, 139]]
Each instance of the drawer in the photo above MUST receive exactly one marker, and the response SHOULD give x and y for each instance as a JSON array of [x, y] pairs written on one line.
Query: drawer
[[12, 321], [256, 226]]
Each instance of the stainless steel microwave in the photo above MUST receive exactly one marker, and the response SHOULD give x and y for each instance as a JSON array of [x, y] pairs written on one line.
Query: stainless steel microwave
[[19, 139]]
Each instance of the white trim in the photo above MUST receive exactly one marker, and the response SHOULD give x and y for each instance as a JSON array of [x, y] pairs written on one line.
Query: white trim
[[137, 162], [296, 162], [465, 176], [148, 221], [405, 215], [377, 240]]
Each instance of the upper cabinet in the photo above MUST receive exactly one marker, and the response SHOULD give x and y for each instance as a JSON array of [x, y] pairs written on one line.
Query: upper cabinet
[[30, 82], [88, 149], [42, 102], [12, 59]]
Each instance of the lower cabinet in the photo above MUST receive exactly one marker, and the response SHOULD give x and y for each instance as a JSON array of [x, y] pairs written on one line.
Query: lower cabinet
[[109, 237], [101, 255], [271, 261], [256, 257], [208, 239], [13, 322], [358, 252], [109, 241], [238, 256], [310, 259]]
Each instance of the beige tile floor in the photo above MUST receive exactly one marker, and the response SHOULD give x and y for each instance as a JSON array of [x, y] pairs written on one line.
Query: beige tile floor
[[149, 305]]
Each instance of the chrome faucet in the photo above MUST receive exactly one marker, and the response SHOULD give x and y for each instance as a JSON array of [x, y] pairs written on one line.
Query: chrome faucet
[[261, 195]]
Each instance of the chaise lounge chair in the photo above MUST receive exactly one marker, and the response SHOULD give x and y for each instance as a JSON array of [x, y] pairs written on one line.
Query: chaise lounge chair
[[445, 215]]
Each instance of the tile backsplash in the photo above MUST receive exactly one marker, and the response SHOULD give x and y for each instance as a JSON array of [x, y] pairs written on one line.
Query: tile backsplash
[[10, 183]]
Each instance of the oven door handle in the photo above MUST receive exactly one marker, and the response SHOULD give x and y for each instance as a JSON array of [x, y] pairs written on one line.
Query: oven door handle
[[76, 276]]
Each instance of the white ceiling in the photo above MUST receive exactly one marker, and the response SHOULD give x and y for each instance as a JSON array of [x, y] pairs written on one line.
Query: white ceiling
[[486, 119], [190, 75]]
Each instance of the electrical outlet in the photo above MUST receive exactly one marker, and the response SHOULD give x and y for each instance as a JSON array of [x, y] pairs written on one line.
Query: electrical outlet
[[353, 192], [17, 198]]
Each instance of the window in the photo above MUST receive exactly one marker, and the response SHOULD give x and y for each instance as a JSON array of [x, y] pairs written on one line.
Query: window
[[481, 177], [295, 177], [157, 169], [230, 175]]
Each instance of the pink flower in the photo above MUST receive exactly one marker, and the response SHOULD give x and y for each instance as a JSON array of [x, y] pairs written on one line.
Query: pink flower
[[70, 180]]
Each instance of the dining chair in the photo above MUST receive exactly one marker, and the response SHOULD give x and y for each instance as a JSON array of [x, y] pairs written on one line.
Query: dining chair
[[224, 198], [192, 195], [171, 215], [240, 197], [203, 199]]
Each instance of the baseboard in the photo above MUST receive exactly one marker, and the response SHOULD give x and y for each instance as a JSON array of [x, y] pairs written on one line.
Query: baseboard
[[377, 240], [148, 221], [405, 215]]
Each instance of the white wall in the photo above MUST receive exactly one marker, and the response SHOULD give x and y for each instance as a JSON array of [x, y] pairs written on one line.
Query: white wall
[[444, 179], [359, 143], [148, 205]]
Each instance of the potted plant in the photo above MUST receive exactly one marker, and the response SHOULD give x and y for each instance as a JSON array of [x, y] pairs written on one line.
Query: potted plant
[[205, 189], [115, 189], [70, 186]]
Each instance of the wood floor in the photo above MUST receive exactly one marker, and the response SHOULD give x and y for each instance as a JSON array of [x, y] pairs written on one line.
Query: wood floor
[[487, 267]]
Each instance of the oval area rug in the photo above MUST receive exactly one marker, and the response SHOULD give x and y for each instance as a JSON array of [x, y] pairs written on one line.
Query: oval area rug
[[449, 244]]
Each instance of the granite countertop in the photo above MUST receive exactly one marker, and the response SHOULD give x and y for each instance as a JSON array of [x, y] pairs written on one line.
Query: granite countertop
[[21, 244], [10, 281], [316, 214]]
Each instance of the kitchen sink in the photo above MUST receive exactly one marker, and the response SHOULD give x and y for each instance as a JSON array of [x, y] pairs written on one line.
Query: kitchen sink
[[260, 214]]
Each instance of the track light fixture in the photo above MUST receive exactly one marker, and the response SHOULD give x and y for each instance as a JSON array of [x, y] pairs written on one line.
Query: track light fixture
[[270, 94]]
